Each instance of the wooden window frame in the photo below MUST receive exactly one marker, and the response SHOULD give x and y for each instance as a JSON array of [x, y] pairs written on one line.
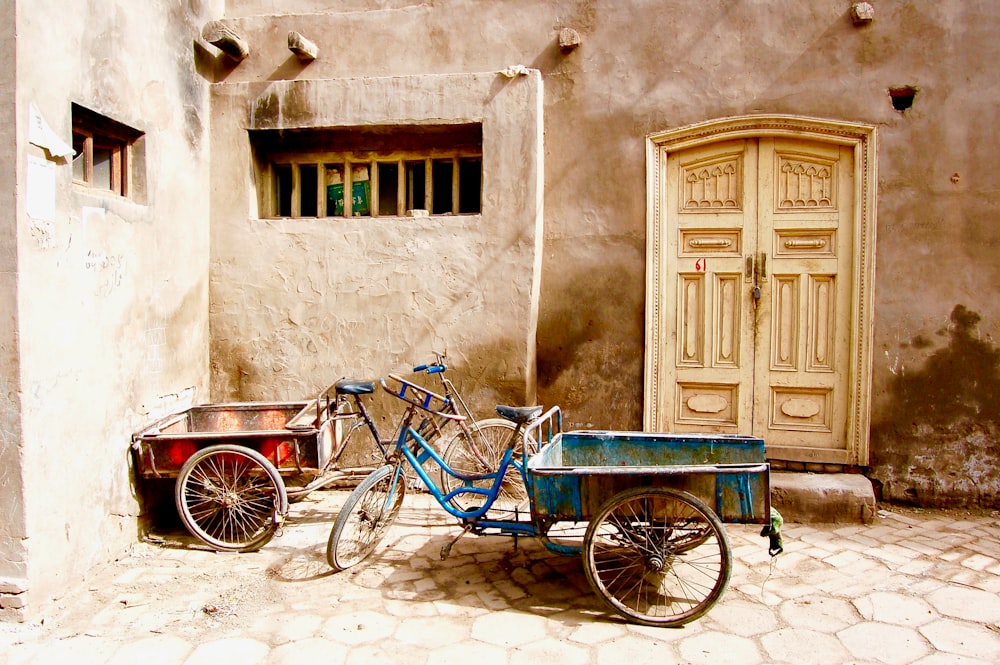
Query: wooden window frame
[[274, 163], [348, 162], [92, 130]]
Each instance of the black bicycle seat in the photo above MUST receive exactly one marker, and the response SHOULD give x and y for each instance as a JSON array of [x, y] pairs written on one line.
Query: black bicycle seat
[[519, 414], [354, 387]]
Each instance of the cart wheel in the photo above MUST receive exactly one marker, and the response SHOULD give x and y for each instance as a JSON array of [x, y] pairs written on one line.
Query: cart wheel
[[483, 455], [230, 497], [366, 516], [657, 556]]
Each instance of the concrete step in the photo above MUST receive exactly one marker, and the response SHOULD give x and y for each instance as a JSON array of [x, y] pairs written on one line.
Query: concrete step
[[823, 498]]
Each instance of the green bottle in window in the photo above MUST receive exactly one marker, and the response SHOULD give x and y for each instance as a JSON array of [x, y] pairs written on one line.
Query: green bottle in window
[[361, 191]]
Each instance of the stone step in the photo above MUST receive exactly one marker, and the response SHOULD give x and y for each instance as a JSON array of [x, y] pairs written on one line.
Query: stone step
[[821, 498]]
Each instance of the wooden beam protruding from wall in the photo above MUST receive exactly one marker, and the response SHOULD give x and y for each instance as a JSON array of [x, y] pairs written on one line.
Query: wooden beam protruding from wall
[[569, 39], [302, 48], [226, 40]]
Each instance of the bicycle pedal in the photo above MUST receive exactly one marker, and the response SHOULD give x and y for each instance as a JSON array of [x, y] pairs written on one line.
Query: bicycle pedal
[[446, 548]]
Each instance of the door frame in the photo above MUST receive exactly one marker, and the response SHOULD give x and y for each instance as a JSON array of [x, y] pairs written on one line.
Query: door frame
[[862, 138]]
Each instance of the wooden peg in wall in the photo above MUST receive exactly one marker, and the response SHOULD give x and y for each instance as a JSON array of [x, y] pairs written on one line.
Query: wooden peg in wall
[[302, 47], [226, 40]]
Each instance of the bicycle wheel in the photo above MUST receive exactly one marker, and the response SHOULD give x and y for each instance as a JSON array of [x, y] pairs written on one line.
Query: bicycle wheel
[[657, 556], [230, 497], [366, 516], [481, 456]]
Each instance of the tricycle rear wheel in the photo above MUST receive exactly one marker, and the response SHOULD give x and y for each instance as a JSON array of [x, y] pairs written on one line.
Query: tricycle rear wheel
[[657, 556], [230, 497], [480, 456]]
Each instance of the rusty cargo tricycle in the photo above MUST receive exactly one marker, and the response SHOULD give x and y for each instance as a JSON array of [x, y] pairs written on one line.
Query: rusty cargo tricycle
[[238, 464], [644, 511]]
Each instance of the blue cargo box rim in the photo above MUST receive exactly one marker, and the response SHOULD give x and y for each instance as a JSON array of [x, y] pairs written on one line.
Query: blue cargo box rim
[[637, 449]]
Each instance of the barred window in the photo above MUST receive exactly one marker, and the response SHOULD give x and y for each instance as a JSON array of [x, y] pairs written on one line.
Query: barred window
[[369, 171]]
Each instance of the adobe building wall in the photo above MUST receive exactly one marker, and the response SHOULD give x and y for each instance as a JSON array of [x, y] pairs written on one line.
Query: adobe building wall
[[640, 68], [300, 303], [105, 297], [12, 527]]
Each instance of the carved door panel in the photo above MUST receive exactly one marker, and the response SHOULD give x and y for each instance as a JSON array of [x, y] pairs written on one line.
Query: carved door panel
[[708, 301], [804, 319], [758, 293]]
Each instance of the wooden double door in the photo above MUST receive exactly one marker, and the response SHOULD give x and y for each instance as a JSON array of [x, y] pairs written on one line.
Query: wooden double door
[[758, 294]]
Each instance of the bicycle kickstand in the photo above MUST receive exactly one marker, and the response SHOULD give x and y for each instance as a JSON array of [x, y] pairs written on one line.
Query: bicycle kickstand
[[446, 548]]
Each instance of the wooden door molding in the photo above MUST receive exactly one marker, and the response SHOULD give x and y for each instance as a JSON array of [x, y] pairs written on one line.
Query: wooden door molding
[[861, 138]]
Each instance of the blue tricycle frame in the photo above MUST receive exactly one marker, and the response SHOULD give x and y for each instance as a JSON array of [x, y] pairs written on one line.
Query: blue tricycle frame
[[643, 510]]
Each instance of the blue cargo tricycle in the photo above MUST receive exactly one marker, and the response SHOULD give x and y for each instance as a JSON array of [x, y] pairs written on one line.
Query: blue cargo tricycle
[[643, 510]]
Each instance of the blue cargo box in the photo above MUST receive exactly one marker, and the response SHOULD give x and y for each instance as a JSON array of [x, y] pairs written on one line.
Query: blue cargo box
[[572, 477]]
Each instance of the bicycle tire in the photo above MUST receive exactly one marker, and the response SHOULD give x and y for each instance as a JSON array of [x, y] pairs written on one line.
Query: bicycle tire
[[230, 497], [490, 437], [369, 511], [657, 556]]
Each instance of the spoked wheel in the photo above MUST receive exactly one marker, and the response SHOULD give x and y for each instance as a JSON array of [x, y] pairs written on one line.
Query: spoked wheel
[[657, 556], [230, 497], [366, 516], [481, 456]]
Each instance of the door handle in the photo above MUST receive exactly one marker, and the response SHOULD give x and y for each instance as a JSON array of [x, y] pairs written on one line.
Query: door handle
[[755, 272]]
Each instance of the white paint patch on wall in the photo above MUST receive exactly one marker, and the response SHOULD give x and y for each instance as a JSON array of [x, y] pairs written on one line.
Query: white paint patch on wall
[[40, 193]]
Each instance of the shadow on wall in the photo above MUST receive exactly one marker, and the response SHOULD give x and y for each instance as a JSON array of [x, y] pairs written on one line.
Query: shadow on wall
[[590, 352], [937, 441], [958, 382]]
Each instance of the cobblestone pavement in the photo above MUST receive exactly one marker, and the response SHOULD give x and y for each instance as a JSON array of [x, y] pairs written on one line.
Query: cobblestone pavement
[[915, 587]]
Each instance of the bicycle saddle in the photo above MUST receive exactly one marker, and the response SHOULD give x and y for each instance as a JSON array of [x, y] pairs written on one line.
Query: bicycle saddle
[[519, 414], [354, 387]]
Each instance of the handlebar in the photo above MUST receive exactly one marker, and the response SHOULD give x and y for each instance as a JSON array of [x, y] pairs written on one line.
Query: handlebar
[[435, 367]]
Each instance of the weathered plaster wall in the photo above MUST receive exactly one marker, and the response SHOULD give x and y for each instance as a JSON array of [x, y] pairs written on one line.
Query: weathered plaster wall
[[937, 441], [648, 66], [297, 304], [112, 294], [12, 547], [935, 418]]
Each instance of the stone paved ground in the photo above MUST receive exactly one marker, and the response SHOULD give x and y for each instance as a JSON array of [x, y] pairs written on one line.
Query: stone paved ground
[[915, 587]]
